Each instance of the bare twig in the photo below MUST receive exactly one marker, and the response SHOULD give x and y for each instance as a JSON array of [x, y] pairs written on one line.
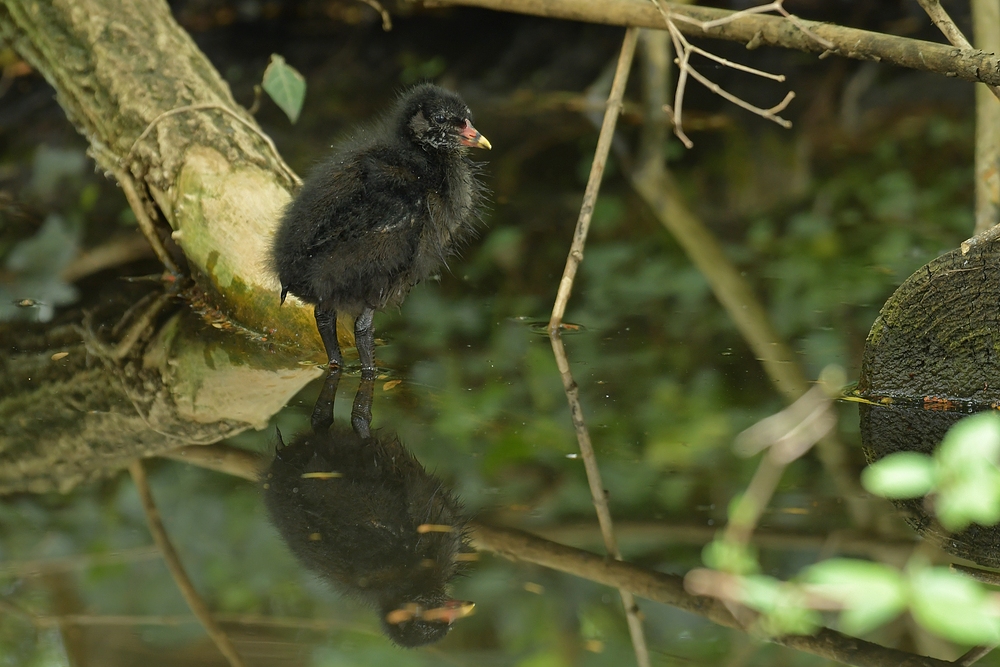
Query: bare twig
[[684, 49], [986, 35], [117, 251], [594, 181], [386, 19], [597, 493], [139, 328], [122, 620], [138, 206], [35, 567], [951, 32], [221, 458], [974, 655], [173, 563]]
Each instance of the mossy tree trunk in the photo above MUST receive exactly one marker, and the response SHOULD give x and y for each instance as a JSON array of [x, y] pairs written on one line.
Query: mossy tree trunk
[[161, 120]]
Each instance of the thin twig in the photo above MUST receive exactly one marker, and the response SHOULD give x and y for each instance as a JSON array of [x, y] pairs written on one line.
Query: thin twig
[[221, 458], [974, 655], [30, 568], [173, 561], [736, 66], [117, 251], [798, 23], [123, 620], [765, 113], [597, 492], [214, 105], [684, 49], [986, 36], [386, 19], [594, 181], [940, 18], [138, 206], [735, 16]]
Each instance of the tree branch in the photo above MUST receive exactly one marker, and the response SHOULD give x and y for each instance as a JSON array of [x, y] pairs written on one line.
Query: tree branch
[[764, 30], [669, 589]]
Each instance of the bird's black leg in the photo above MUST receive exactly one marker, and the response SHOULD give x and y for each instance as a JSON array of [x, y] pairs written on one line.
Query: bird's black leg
[[322, 415], [361, 411], [364, 339], [326, 322]]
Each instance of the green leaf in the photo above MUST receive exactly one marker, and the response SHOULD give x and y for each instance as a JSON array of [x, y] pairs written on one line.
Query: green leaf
[[726, 556], [971, 441], [871, 593], [783, 606], [954, 607], [972, 496], [900, 475], [285, 86]]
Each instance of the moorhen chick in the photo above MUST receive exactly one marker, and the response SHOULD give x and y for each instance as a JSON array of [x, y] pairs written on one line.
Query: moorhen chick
[[361, 512], [380, 214]]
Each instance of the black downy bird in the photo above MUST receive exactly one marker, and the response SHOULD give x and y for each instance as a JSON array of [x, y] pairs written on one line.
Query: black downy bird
[[379, 215], [361, 512]]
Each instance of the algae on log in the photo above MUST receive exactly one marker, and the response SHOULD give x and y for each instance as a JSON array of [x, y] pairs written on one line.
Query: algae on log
[[161, 120], [66, 420], [937, 338]]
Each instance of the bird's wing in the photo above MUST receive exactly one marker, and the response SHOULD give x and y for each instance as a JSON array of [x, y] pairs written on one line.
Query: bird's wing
[[369, 195]]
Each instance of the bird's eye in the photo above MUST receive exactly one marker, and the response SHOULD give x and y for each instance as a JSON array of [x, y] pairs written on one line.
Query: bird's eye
[[440, 118]]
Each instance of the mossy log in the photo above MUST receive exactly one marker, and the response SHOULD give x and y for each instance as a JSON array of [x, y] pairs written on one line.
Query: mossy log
[[161, 120]]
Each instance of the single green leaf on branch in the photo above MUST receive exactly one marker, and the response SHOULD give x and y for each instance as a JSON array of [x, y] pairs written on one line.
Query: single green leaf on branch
[[285, 86], [900, 475], [954, 607], [870, 594]]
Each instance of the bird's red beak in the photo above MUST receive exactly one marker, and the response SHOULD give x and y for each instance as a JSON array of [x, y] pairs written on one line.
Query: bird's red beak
[[451, 610], [472, 137]]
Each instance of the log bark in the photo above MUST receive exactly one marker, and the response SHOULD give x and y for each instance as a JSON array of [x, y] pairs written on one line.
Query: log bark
[[73, 409], [163, 122]]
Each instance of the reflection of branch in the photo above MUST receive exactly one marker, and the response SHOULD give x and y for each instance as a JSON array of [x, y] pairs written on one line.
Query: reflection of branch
[[657, 586], [119, 250], [765, 30], [669, 589], [640, 536], [27, 568], [173, 562], [612, 110], [317, 624], [221, 458]]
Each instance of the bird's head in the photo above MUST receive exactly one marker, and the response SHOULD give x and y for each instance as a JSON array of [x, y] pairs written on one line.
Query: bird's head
[[424, 621], [437, 119]]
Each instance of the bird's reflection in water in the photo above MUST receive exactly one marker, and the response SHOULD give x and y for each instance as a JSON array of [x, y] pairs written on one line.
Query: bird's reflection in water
[[358, 509]]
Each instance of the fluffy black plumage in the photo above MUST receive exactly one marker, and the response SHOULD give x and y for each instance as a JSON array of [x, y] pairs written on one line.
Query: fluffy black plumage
[[379, 215], [363, 513]]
